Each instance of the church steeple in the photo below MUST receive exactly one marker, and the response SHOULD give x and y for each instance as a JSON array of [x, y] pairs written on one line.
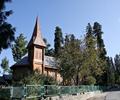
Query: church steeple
[[36, 36], [36, 48]]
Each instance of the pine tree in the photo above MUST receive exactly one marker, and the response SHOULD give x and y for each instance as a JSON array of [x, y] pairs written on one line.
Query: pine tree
[[111, 71], [90, 40], [97, 29], [6, 30], [117, 67], [90, 54], [5, 65], [58, 40], [117, 63], [48, 51], [19, 48], [100, 43]]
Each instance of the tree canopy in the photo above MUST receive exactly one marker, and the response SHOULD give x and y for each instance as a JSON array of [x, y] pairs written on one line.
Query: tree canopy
[[58, 40], [5, 65], [7, 31], [48, 51], [81, 60], [19, 47], [70, 60]]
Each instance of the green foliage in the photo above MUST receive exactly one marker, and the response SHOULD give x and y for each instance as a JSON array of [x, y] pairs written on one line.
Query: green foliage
[[97, 28], [58, 40], [110, 71], [117, 66], [5, 94], [19, 48], [6, 30], [36, 78], [90, 40], [48, 51], [101, 52], [83, 60], [93, 64], [117, 63], [90, 80], [118, 80], [70, 60], [5, 65]]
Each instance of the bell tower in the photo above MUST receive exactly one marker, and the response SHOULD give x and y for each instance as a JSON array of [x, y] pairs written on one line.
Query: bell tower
[[36, 48]]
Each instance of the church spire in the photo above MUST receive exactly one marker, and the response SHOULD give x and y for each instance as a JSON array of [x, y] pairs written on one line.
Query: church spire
[[37, 36]]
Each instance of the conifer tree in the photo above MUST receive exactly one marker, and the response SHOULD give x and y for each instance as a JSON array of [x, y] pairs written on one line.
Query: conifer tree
[[97, 29], [5, 65], [58, 40], [117, 63], [90, 40], [111, 71], [117, 67], [19, 48], [6, 30], [90, 54], [48, 51]]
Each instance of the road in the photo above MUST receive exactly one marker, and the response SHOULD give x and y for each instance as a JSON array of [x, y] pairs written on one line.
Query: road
[[113, 95]]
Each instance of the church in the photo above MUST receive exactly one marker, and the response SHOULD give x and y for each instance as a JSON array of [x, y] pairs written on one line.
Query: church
[[36, 58]]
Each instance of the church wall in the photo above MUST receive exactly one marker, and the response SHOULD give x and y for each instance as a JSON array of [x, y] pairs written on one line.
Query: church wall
[[59, 78], [38, 54], [37, 66], [38, 59], [49, 72], [53, 73]]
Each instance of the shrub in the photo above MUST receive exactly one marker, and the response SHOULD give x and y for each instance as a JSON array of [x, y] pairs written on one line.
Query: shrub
[[90, 80], [36, 78]]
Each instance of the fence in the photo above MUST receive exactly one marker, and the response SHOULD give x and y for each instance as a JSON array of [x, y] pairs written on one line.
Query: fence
[[38, 91]]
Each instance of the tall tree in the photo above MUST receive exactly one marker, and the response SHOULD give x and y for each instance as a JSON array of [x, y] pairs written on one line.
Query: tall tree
[[58, 40], [117, 67], [90, 40], [97, 29], [111, 71], [6, 30], [70, 60], [100, 43], [117, 63], [19, 47], [48, 51], [90, 54], [5, 65]]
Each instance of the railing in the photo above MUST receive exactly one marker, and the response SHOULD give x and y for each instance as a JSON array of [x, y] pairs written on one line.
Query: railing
[[38, 91]]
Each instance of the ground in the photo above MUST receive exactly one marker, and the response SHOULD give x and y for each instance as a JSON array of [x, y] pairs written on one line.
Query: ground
[[113, 95]]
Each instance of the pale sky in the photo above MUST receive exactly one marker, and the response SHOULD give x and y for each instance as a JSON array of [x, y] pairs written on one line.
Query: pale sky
[[71, 15]]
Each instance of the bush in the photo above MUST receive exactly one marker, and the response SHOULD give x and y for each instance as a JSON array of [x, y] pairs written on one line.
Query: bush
[[90, 80], [118, 80], [4, 94], [36, 78]]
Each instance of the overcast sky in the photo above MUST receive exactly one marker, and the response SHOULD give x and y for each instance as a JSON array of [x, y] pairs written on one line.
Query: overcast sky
[[71, 15]]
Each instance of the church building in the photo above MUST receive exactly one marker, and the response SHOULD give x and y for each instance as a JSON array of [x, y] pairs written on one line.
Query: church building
[[36, 58]]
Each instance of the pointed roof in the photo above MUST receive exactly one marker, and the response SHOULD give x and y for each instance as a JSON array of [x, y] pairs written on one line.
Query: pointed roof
[[37, 36]]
